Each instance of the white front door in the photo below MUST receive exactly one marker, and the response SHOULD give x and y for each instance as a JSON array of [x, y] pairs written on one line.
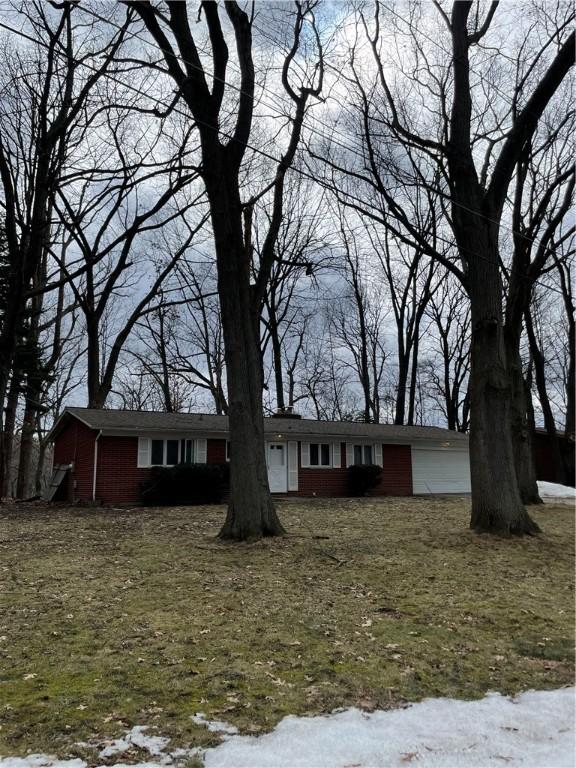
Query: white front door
[[276, 461]]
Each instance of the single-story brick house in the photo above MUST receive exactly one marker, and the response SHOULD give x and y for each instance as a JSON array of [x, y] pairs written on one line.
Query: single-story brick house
[[105, 455]]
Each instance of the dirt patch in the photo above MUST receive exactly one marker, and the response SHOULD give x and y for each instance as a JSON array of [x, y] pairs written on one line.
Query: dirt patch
[[111, 618]]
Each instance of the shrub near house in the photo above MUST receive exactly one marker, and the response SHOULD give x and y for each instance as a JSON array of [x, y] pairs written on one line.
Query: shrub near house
[[362, 478], [186, 484]]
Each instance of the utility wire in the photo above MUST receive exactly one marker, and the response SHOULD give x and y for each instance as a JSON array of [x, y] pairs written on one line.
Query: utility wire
[[256, 150], [332, 129]]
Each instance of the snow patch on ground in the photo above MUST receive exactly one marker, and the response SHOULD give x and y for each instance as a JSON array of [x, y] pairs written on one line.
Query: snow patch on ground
[[214, 726], [137, 737], [533, 730], [555, 490]]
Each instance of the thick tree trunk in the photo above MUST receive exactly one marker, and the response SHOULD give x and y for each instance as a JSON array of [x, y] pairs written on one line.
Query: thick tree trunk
[[570, 425], [496, 503], [251, 513], [27, 443], [11, 320], [521, 431], [8, 433], [93, 363], [39, 473]]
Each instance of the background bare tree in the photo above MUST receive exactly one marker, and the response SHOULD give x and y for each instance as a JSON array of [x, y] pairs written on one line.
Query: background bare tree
[[44, 88]]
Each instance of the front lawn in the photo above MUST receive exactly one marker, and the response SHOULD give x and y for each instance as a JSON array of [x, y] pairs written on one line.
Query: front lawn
[[111, 618]]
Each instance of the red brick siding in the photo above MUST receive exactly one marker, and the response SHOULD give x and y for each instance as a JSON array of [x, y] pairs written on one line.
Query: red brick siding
[[74, 444], [396, 475], [119, 476], [322, 482]]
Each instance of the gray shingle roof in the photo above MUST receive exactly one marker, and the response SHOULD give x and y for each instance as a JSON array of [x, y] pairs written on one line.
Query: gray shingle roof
[[151, 421]]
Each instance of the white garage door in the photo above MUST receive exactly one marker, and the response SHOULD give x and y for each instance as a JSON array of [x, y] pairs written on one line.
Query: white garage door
[[440, 471]]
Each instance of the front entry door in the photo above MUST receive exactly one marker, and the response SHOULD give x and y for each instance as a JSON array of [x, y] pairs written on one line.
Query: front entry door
[[277, 467]]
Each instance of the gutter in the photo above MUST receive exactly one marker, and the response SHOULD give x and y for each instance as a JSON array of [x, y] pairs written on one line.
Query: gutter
[[94, 474]]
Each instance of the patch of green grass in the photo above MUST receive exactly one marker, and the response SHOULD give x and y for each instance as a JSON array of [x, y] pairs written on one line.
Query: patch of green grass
[[115, 618]]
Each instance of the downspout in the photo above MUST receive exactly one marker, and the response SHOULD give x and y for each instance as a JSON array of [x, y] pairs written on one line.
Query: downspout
[[94, 474]]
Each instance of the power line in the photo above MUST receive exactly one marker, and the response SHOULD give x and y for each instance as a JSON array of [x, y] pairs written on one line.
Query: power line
[[333, 130], [261, 152]]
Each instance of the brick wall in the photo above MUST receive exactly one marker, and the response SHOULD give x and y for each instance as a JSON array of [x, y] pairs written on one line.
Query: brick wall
[[75, 445], [119, 477], [396, 475]]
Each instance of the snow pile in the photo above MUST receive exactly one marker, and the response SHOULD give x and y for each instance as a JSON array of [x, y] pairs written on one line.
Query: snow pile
[[137, 737], [534, 730], [555, 490]]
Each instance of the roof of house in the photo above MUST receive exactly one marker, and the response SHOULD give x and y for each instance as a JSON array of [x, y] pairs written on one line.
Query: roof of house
[[146, 422]]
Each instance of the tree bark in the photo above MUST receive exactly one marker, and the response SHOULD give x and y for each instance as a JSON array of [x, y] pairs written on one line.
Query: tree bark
[[7, 435], [27, 442], [496, 504], [251, 513], [403, 366], [276, 356], [521, 429]]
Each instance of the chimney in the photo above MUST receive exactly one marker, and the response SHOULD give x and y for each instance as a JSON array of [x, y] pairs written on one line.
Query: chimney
[[286, 413]]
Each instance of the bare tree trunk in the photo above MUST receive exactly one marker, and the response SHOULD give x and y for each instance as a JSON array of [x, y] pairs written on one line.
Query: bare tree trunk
[[93, 363], [39, 474], [276, 356], [403, 365], [413, 379], [521, 429], [570, 427], [251, 513], [496, 503], [539, 367], [8, 432], [32, 402]]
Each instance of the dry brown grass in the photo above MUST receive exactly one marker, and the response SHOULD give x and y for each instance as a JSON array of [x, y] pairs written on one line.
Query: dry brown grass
[[110, 618]]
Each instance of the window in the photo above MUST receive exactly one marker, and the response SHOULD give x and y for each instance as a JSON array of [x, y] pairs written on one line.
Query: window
[[320, 455], [363, 454], [187, 451], [172, 452], [167, 453], [157, 453]]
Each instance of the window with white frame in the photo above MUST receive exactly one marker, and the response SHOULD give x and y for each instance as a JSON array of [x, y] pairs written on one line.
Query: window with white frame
[[168, 451], [320, 455], [363, 454]]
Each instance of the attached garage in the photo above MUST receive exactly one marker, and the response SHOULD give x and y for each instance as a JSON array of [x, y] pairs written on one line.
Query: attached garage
[[440, 470]]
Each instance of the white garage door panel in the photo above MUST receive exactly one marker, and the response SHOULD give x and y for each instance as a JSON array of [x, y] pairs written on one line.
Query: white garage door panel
[[440, 471]]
